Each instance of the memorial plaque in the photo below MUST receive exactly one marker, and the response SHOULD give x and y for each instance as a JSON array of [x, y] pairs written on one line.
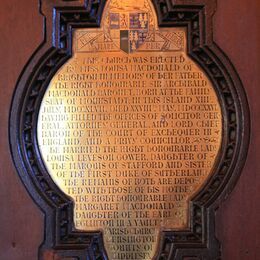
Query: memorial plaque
[[129, 130]]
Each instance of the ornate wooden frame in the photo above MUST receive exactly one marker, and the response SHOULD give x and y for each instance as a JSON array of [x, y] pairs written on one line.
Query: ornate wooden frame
[[61, 16]]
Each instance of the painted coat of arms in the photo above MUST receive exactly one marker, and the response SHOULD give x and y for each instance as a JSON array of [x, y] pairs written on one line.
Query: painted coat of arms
[[129, 29]]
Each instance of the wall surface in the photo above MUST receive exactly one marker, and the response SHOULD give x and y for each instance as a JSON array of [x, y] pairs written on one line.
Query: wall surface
[[236, 26], [21, 222], [237, 32]]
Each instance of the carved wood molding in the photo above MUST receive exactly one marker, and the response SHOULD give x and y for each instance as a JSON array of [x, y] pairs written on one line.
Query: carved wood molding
[[60, 18]]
